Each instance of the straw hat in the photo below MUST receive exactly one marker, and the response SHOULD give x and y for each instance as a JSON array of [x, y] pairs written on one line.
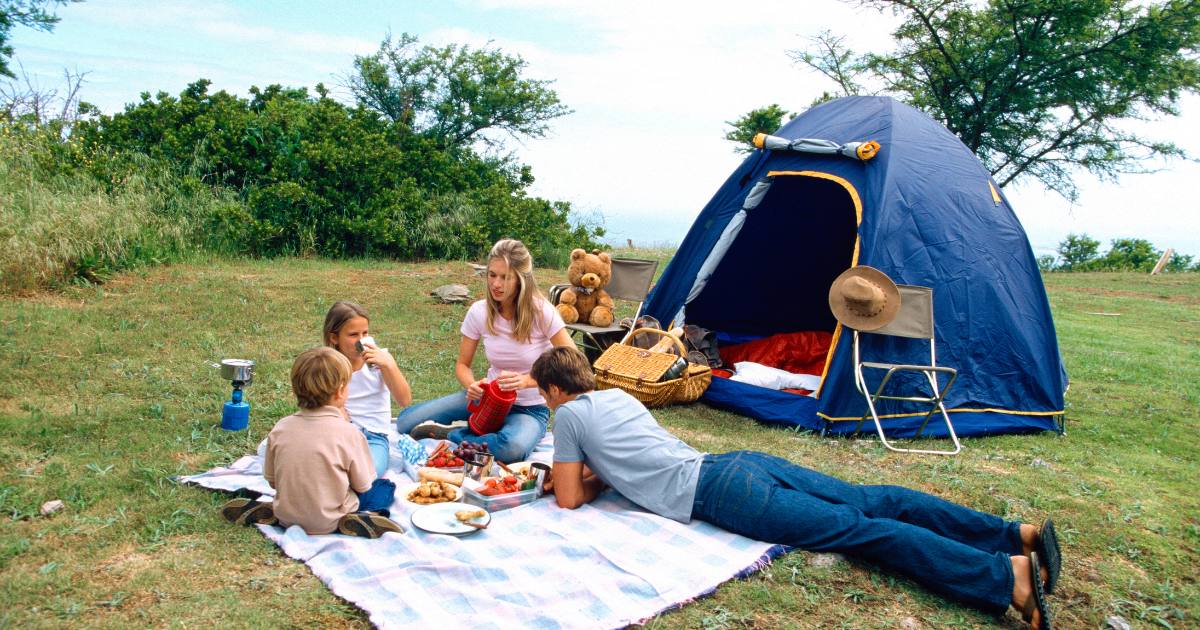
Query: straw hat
[[864, 298]]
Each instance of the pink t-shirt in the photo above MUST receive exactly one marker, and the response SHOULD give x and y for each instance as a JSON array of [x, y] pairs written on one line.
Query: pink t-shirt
[[505, 353]]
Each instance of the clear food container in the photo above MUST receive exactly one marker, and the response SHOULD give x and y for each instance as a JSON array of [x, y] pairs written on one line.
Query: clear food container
[[500, 501]]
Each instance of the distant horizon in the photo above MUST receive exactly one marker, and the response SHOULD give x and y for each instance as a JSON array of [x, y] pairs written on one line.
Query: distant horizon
[[668, 232]]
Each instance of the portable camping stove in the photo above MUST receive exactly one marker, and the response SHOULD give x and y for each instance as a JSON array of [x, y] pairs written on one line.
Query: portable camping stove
[[236, 414]]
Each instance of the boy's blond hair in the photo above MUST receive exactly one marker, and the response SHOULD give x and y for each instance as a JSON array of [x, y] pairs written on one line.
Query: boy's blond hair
[[317, 375]]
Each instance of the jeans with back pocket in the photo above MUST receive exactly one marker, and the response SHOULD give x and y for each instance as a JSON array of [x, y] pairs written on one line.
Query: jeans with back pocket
[[948, 548]]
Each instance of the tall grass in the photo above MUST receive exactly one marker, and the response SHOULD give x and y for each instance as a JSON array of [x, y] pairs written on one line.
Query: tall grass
[[61, 223]]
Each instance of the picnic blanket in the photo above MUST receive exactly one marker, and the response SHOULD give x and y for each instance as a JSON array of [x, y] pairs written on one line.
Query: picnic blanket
[[604, 565]]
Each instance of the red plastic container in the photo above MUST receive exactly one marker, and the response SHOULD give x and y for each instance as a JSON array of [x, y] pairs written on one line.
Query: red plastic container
[[488, 413]]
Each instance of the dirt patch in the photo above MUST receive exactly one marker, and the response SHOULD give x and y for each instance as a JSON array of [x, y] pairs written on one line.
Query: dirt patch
[[191, 461], [993, 469], [125, 561], [1141, 295]]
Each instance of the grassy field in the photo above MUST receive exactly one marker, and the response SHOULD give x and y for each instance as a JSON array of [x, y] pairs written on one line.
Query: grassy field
[[106, 393]]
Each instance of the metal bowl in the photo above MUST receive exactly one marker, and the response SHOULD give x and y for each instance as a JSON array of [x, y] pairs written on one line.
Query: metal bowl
[[238, 370]]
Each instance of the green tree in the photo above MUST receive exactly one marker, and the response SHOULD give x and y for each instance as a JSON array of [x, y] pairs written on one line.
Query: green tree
[[1130, 254], [1078, 252], [1046, 262], [1179, 263], [32, 13], [762, 120], [1036, 88], [454, 94]]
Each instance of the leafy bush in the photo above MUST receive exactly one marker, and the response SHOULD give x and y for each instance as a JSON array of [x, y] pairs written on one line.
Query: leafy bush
[[318, 177], [1130, 254], [284, 173], [1078, 252]]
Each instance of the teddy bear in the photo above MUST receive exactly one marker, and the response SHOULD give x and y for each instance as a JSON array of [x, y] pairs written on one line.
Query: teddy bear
[[586, 300]]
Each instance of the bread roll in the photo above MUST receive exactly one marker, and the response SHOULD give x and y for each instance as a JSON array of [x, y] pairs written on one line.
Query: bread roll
[[441, 475]]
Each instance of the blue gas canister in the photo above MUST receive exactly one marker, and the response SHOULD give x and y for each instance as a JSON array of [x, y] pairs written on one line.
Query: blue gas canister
[[235, 416]]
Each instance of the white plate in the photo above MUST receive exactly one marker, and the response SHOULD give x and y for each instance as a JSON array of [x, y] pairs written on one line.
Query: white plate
[[439, 519], [402, 493]]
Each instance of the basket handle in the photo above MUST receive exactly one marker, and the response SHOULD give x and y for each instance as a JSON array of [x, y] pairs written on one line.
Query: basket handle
[[682, 350], [629, 339]]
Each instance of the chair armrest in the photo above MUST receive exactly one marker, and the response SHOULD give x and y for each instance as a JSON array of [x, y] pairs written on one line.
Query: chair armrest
[[908, 367], [554, 292]]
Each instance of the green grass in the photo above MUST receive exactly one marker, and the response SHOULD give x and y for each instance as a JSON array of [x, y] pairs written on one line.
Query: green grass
[[62, 225], [106, 393]]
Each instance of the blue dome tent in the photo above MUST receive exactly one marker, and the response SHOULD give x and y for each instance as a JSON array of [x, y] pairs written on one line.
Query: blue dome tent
[[760, 257]]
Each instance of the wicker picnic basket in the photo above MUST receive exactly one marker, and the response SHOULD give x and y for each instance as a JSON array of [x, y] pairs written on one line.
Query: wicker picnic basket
[[637, 371]]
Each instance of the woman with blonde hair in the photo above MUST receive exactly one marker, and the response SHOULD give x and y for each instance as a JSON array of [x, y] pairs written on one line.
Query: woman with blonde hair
[[516, 324]]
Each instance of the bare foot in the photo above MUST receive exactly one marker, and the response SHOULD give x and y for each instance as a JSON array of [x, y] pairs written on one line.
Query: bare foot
[[1023, 600], [1029, 535]]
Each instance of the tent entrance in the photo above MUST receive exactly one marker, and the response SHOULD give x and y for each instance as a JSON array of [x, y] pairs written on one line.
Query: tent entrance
[[776, 274]]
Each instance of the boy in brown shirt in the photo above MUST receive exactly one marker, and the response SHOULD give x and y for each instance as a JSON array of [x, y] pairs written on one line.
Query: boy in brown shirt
[[318, 462]]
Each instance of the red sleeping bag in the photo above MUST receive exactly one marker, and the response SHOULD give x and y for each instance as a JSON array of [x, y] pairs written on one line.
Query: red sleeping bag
[[797, 352]]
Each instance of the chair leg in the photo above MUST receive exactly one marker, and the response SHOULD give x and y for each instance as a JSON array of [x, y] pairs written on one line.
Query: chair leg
[[858, 427], [939, 397], [936, 403]]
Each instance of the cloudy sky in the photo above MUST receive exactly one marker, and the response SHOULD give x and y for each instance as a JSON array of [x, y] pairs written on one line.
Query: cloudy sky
[[651, 85]]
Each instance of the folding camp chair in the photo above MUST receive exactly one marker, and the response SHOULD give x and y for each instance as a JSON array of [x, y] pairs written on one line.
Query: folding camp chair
[[914, 320], [630, 282]]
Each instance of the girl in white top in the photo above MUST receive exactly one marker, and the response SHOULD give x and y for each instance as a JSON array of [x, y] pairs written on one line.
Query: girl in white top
[[516, 325], [375, 382]]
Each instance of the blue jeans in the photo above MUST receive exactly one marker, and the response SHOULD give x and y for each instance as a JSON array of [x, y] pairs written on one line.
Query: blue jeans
[[523, 427], [948, 548], [378, 498], [380, 450]]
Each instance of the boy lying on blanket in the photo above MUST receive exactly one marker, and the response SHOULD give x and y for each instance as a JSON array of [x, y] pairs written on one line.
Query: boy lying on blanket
[[318, 462], [608, 438]]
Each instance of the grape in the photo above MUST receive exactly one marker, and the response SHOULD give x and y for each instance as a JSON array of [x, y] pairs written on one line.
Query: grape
[[470, 450]]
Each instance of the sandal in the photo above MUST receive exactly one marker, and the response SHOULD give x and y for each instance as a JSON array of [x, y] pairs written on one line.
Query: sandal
[[234, 508], [1050, 553], [1036, 603], [259, 514], [243, 511], [367, 525]]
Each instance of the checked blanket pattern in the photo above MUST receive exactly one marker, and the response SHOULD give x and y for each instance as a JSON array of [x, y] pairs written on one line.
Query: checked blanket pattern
[[605, 565]]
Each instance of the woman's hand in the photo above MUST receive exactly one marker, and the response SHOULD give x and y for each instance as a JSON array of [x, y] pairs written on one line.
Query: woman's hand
[[475, 390], [509, 381]]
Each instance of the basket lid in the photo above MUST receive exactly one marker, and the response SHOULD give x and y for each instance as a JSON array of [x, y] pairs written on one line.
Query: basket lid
[[635, 363]]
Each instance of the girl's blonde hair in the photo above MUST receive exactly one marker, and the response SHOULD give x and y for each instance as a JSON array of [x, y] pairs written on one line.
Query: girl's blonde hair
[[338, 315], [520, 262]]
